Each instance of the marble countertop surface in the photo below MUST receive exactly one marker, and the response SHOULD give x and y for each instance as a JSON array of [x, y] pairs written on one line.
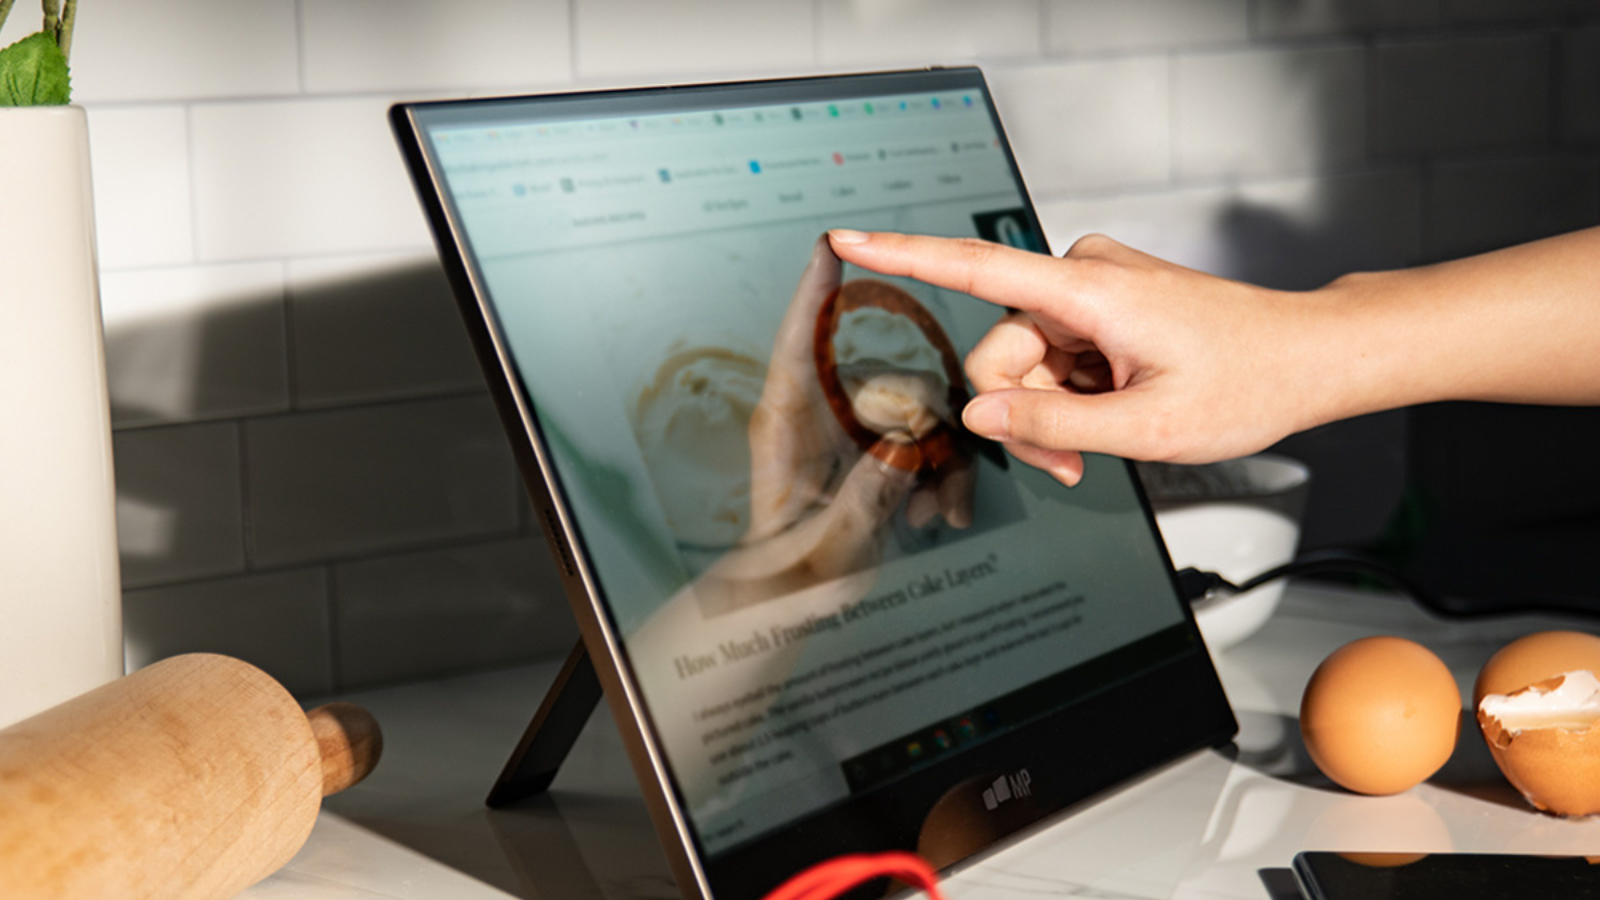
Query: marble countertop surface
[[1216, 824]]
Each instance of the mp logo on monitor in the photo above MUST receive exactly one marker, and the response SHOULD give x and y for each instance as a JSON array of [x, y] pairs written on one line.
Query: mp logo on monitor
[[1007, 786]]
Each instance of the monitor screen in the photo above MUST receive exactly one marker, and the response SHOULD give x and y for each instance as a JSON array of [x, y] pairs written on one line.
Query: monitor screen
[[818, 586]]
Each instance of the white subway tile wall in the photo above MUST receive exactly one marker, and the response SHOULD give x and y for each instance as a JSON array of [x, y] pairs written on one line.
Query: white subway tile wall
[[309, 472], [305, 177], [1099, 126], [1265, 112], [352, 46], [184, 50], [1092, 26], [140, 158], [1279, 19], [649, 41], [928, 32]]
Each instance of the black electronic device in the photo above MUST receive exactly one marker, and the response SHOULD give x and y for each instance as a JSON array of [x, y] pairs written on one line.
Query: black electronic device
[[826, 618], [1445, 876]]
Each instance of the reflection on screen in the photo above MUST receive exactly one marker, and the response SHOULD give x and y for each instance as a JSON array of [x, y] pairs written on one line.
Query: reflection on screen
[[822, 582]]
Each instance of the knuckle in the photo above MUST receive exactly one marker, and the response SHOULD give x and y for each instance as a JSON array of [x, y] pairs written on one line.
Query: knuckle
[[976, 367], [1163, 437], [1048, 425], [1093, 245], [976, 256]]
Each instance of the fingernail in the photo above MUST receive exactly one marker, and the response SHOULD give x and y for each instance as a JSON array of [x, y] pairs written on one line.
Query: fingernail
[[987, 417], [847, 236]]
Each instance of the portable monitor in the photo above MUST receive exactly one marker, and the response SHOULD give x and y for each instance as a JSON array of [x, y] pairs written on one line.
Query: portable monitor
[[827, 619]]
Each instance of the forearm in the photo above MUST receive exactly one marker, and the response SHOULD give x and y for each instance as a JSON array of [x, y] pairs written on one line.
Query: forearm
[[1517, 325]]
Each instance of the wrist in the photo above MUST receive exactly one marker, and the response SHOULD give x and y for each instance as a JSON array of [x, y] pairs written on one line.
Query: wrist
[[1358, 355]]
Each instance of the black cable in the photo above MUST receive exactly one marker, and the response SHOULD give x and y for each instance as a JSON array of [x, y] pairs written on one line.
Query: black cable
[[1197, 584], [1343, 562], [1352, 563]]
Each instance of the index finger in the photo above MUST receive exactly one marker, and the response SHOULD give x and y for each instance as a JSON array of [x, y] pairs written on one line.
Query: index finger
[[994, 272]]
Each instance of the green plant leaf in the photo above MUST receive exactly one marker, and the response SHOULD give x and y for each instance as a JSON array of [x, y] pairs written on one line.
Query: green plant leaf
[[33, 72]]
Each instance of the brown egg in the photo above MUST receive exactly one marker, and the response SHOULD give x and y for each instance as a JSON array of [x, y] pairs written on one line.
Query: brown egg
[[1535, 658], [1380, 715]]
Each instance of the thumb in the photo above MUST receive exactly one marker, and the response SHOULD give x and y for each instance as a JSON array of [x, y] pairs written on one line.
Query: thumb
[[873, 488], [867, 498], [793, 346], [1116, 422], [843, 537]]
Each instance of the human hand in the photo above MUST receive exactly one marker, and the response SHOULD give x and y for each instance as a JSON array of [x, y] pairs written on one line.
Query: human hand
[[1114, 351], [797, 442], [818, 502]]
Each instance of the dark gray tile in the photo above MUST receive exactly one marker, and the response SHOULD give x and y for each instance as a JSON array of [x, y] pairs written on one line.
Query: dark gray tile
[[1474, 207], [191, 343], [340, 483], [1460, 94], [369, 328], [450, 610], [1579, 88], [277, 622], [178, 503]]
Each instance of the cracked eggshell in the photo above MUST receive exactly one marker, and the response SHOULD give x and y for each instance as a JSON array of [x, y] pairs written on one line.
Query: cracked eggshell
[[1534, 658], [1556, 769]]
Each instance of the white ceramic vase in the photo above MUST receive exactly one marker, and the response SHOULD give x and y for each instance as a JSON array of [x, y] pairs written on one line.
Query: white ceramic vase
[[60, 590]]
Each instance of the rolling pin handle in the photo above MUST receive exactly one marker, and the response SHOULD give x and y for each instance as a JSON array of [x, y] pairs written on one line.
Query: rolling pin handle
[[350, 742]]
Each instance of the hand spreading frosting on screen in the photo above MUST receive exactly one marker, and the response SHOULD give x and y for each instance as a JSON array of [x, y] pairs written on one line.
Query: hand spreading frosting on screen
[[822, 489]]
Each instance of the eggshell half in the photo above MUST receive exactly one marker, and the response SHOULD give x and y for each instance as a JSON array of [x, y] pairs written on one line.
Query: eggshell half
[[1534, 658], [1556, 769]]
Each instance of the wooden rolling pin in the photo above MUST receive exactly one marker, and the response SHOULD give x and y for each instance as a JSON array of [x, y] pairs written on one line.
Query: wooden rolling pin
[[191, 779]]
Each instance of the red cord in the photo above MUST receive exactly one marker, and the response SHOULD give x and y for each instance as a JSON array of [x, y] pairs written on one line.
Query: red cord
[[833, 877]]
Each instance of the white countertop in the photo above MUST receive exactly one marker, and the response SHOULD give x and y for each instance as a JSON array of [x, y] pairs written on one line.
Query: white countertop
[[1216, 824]]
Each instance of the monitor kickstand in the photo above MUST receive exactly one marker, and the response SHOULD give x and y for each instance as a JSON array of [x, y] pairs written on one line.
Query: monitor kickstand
[[550, 736]]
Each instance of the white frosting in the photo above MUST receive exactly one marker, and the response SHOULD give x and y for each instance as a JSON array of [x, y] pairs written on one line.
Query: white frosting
[[1574, 704], [873, 333], [894, 377], [887, 399], [693, 426]]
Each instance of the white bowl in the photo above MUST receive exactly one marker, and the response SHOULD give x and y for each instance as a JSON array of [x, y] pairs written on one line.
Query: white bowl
[[1237, 518]]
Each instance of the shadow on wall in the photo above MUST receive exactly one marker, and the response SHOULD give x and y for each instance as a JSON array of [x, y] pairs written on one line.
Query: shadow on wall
[[313, 480], [1359, 465], [1488, 503]]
